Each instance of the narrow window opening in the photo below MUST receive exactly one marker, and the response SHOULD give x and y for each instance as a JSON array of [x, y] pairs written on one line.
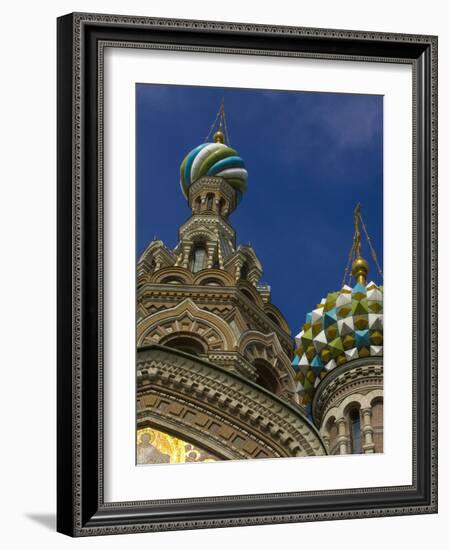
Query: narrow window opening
[[210, 202], [355, 431], [198, 259]]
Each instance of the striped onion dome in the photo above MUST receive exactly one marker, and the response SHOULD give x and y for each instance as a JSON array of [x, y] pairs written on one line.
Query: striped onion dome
[[346, 325], [214, 159]]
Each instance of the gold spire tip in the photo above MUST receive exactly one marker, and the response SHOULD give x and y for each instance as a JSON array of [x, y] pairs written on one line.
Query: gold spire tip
[[219, 137], [360, 265], [360, 270]]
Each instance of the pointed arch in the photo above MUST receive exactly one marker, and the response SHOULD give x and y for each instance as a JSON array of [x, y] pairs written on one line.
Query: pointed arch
[[218, 274], [173, 273], [186, 318], [276, 316], [265, 353]]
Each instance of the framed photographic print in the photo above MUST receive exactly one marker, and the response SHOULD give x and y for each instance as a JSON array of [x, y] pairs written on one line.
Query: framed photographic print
[[247, 288]]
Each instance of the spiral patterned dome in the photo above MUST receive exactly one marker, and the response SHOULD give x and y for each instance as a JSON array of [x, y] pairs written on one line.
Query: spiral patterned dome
[[214, 159], [346, 325]]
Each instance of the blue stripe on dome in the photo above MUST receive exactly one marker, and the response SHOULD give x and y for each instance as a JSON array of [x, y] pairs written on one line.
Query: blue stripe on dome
[[190, 158], [201, 157], [229, 162]]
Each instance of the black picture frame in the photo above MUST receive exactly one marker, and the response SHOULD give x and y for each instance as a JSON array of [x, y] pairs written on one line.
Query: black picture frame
[[81, 509]]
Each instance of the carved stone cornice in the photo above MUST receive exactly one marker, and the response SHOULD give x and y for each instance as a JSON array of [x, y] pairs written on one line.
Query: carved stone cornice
[[206, 296], [210, 222], [158, 252], [212, 182], [360, 375], [242, 366], [219, 441], [207, 184], [226, 399]]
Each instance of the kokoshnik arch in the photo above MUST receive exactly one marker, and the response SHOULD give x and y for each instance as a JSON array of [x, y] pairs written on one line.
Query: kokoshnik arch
[[218, 374]]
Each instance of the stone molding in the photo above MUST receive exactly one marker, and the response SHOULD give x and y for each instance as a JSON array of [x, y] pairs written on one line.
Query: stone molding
[[205, 297], [207, 184], [356, 377], [223, 396]]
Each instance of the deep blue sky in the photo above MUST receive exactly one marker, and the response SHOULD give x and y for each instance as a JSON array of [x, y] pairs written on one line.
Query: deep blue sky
[[310, 157]]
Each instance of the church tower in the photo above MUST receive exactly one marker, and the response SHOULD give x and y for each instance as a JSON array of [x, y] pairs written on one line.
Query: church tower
[[203, 304], [339, 359]]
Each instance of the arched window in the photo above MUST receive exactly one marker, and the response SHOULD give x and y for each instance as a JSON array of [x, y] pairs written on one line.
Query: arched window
[[211, 282], [172, 281], [356, 434], [266, 377], [198, 259], [274, 319], [210, 202], [244, 271], [185, 343], [377, 424], [222, 207]]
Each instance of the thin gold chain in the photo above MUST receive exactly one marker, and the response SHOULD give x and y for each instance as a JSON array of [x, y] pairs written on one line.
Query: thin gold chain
[[373, 252], [214, 123], [221, 116], [348, 265], [355, 248], [228, 139], [356, 243]]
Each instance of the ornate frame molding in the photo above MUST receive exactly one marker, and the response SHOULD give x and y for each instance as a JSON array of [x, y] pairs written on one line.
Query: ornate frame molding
[[81, 41]]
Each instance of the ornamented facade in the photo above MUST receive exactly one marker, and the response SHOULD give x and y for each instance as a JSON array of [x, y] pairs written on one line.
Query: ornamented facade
[[215, 376]]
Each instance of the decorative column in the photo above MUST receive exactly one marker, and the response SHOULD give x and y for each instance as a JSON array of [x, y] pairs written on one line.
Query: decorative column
[[343, 438], [367, 430], [186, 254], [254, 276], [326, 440], [238, 268], [210, 254]]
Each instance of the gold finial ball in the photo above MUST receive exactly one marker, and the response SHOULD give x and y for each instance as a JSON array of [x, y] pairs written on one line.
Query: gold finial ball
[[360, 269], [219, 137]]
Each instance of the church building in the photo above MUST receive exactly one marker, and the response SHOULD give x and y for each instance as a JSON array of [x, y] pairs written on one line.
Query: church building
[[219, 376]]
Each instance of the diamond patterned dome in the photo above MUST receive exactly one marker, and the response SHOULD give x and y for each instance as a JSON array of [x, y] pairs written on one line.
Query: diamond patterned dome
[[346, 325]]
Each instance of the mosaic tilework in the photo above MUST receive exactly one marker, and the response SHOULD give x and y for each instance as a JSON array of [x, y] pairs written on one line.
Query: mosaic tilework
[[156, 447], [346, 325]]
